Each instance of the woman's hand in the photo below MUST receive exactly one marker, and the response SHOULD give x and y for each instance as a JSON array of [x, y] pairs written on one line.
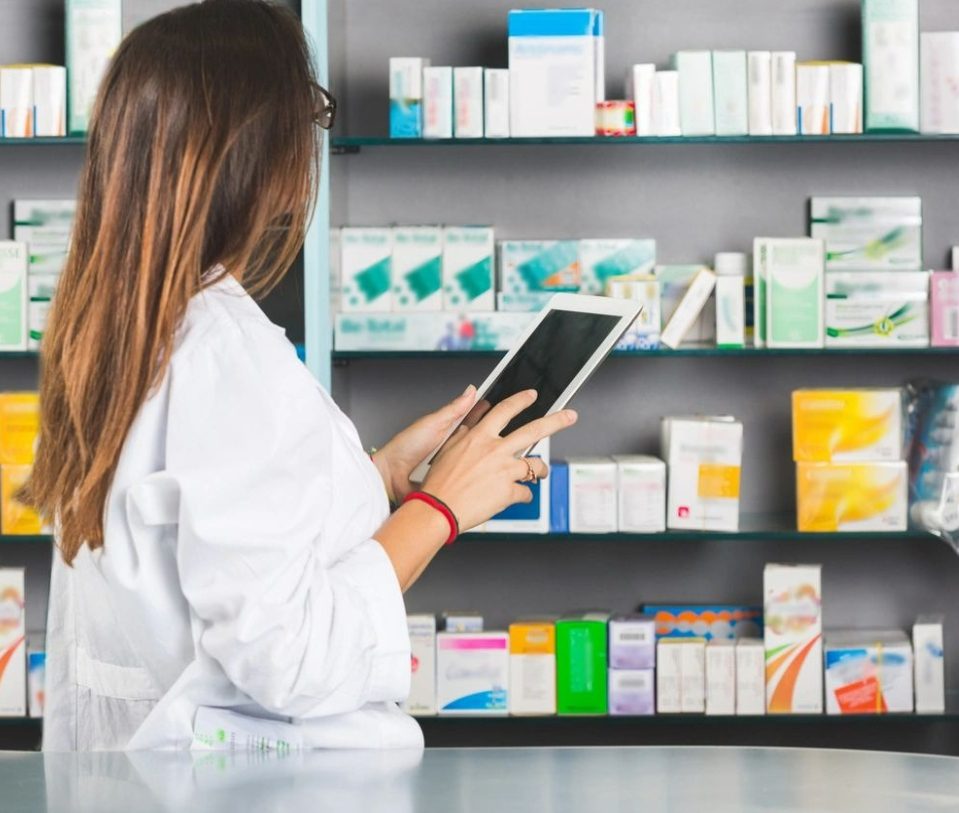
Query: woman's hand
[[477, 473], [398, 458]]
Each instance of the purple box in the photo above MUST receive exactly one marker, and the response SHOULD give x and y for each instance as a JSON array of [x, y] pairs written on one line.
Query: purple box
[[632, 642], [631, 692]]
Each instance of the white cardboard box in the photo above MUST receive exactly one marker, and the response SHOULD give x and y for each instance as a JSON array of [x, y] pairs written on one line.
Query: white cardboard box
[[812, 98], [940, 81], [437, 102], [532, 668], [721, 677], [641, 481], [759, 70], [927, 644], [422, 697], [472, 673], [689, 310], [750, 676], [417, 268], [669, 671], [845, 97], [792, 273], [890, 47], [784, 109], [666, 104], [13, 644], [592, 495], [496, 103], [696, 105], [468, 102], [641, 88], [469, 268], [731, 93], [868, 672]]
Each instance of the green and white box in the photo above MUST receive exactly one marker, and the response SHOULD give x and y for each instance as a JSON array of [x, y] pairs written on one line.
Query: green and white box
[[13, 295], [433, 330], [366, 262], [602, 260], [696, 105], [877, 309], [45, 226], [890, 47], [730, 93], [417, 268], [869, 234], [38, 312], [793, 270], [532, 270], [468, 268], [94, 30]]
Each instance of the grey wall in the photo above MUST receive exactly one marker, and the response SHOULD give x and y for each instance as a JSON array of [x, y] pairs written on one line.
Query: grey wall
[[695, 200]]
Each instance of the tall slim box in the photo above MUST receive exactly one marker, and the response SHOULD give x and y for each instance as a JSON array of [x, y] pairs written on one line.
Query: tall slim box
[[641, 481], [927, 644], [592, 495], [759, 72], [417, 268], [793, 638], [731, 92], [16, 519], [468, 268], [422, 698], [666, 104], [940, 82], [472, 673], [794, 282], [641, 88], [681, 675], [890, 47], [13, 644], [845, 97], [812, 98], [406, 96], [750, 676], [581, 664], [19, 427], [532, 667], [784, 108], [496, 103], [944, 291], [721, 678], [16, 101], [696, 104], [94, 30], [13, 295], [50, 100], [468, 102], [437, 102], [366, 275]]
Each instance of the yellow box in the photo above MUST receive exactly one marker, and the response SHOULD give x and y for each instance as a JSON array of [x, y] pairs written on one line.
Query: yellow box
[[852, 497], [532, 638], [15, 517], [846, 426], [19, 425]]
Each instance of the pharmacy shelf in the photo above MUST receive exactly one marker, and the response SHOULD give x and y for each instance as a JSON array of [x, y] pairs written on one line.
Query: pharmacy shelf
[[19, 354], [49, 141], [25, 539]]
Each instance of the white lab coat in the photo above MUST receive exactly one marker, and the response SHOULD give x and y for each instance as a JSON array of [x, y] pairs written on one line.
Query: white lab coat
[[239, 569]]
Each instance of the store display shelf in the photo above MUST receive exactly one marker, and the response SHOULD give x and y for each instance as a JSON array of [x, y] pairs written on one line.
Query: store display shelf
[[43, 141], [19, 539], [21, 722], [19, 354]]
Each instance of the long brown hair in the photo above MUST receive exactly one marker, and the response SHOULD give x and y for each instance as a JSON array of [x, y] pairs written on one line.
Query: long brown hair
[[201, 161]]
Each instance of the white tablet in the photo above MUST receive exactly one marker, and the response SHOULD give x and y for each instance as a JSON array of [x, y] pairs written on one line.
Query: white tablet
[[555, 356]]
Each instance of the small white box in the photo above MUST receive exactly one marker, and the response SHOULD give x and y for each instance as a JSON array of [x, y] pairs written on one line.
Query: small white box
[[422, 697], [792, 274], [13, 295], [366, 277], [845, 97], [602, 260], [50, 100], [532, 668], [13, 644], [759, 69], [462, 622], [784, 93], [472, 673], [632, 642], [812, 98], [642, 494], [666, 104], [927, 644], [750, 676], [696, 105], [940, 81], [689, 310], [468, 102], [721, 677], [592, 495], [406, 96], [469, 277], [417, 268], [669, 674], [731, 93], [640, 87], [730, 311], [693, 681], [16, 101], [496, 103], [631, 692], [437, 102], [868, 672], [877, 309]]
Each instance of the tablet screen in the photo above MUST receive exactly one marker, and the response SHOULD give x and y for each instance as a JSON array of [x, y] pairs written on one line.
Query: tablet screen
[[548, 361]]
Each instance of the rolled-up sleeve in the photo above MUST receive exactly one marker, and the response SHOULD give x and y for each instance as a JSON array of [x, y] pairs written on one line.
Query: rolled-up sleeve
[[249, 448]]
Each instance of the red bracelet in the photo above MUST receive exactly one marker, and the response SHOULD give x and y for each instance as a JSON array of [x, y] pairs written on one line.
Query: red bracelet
[[437, 504]]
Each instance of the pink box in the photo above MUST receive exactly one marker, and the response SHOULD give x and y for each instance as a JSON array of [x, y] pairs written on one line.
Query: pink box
[[945, 309]]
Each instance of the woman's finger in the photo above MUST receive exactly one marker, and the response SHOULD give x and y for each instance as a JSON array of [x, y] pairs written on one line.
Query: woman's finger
[[526, 465], [507, 409], [527, 436], [458, 407], [521, 494]]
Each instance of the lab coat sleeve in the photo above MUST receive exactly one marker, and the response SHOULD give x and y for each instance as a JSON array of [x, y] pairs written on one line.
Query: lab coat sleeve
[[249, 445]]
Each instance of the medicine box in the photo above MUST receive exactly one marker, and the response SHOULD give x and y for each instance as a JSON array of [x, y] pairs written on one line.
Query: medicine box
[[94, 30], [16, 101], [38, 313], [13, 295], [696, 106], [632, 692], [45, 226], [850, 425], [689, 310], [603, 260], [558, 481], [16, 519], [666, 104], [944, 287], [640, 87], [13, 643], [437, 102], [845, 97], [632, 642], [730, 92], [709, 622], [793, 638], [890, 47], [930, 680], [19, 426], [406, 96], [538, 266], [643, 333], [50, 101], [869, 234], [460, 621], [472, 673], [526, 517], [429, 331], [868, 672], [468, 102], [704, 460], [759, 72], [532, 667], [877, 309], [674, 282], [681, 675], [784, 108], [721, 677], [36, 680], [592, 495], [730, 311], [750, 677], [790, 271], [812, 98], [366, 261], [641, 487], [468, 268], [422, 697], [852, 497], [417, 268], [940, 81], [581, 664], [496, 103]]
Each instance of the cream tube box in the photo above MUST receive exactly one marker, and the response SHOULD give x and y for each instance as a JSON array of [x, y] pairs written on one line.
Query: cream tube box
[[468, 102], [592, 495], [868, 672], [869, 234], [468, 268], [696, 105], [16, 101], [944, 288], [793, 278], [406, 96], [417, 268], [631, 692], [532, 668], [601, 260], [750, 677], [731, 93], [759, 70], [784, 107], [812, 98], [641, 88], [94, 30], [632, 642], [930, 679], [845, 97], [496, 103], [720, 677], [641, 494], [877, 309], [666, 119], [13, 295], [940, 81], [50, 100], [13, 644], [421, 701], [437, 102], [366, 275], [472, 673], [689, 309], [890, 47], [793, 638]]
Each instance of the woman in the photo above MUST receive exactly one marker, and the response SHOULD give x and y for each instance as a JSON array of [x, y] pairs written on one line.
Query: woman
[[224, 541]]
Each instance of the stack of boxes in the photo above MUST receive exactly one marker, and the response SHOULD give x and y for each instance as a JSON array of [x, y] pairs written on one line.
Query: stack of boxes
[[632, 665], [33, 101]]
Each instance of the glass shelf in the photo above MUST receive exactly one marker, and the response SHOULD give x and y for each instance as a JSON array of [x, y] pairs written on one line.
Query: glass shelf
[[19, 354], [47, 141], [30, 539]]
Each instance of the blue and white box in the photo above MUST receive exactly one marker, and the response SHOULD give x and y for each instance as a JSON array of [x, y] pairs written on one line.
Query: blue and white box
[[531, 271], [472, 673], [558, 497], [602, 260], [406, 96], [526, 518]]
